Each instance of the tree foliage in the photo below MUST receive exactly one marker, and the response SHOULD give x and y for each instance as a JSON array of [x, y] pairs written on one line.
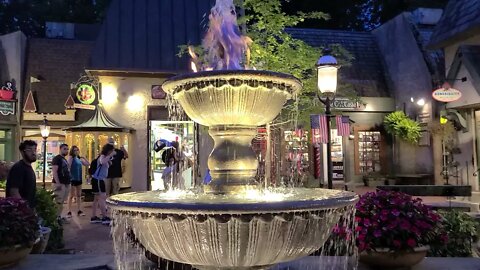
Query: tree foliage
[[274, 49], [30, 16], [357, 14]]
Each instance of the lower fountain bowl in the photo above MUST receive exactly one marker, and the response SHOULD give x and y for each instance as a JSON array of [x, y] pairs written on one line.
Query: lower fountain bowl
[[230, 231]]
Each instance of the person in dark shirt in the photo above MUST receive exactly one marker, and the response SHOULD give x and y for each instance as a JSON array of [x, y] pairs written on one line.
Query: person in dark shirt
[[61, 178], [112, 182], [21, 180]]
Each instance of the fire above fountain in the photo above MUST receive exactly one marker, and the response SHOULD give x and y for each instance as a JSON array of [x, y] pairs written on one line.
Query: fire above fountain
[[233, 225]]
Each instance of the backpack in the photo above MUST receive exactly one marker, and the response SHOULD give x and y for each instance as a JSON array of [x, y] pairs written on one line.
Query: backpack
[[93, 166]]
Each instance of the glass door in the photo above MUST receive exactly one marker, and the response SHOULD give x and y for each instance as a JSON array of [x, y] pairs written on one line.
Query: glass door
[[178, 136]]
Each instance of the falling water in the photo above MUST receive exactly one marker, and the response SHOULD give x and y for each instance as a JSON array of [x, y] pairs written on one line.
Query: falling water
[[145, 228]]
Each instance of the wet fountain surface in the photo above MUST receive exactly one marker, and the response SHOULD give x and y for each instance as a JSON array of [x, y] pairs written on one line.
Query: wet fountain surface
[[232, 231], [233, 225], [255, 201]]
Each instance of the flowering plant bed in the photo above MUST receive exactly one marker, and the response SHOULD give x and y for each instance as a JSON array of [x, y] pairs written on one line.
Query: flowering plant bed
[[395, 221], [18, 223]]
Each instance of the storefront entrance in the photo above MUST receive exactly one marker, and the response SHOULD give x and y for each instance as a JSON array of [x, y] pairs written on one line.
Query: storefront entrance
[[170, 133], [6, 144]]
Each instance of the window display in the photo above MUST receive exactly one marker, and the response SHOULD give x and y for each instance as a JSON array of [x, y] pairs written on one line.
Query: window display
[[52, 151], [296, 155], [337, 155], [171, 137], [369, 145]]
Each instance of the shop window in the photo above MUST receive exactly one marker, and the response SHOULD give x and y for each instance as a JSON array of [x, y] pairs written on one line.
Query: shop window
[[181, 132], [369, 151]]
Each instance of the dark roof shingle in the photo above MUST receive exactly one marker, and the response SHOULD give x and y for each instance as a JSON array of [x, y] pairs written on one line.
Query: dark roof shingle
[[460, 20], [58, 62], [145, 35], [366, 72]]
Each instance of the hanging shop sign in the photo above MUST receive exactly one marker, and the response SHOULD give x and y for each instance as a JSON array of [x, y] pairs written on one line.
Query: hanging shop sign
[[7, 107], [85, 94], [446, 94], [84, 106]]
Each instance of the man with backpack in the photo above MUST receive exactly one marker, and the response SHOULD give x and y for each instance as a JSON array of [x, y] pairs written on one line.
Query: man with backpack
[[112, 182]]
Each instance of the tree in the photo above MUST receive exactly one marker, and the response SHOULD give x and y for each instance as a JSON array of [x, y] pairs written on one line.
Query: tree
[[275, 50], [29, 16], [357, 14]]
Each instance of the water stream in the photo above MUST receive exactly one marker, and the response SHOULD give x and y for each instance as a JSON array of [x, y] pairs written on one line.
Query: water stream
[[154, 221]]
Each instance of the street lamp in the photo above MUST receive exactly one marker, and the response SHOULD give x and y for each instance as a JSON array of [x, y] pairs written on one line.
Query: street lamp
[[45, 131], [327, 68]]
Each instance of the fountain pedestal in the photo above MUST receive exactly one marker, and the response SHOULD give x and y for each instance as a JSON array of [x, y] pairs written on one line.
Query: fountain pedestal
[[233, 164], [232, 103]]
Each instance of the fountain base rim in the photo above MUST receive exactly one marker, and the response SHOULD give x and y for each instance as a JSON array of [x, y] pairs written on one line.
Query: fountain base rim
[[215, 207]]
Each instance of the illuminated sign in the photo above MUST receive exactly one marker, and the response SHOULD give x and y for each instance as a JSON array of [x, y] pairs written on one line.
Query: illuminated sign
[[86, 94], [446, 94]]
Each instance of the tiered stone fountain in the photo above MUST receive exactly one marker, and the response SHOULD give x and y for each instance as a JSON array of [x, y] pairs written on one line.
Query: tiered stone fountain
[[233, 224]]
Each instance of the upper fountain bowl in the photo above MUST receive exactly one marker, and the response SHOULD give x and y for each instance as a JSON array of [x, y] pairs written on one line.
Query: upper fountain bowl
[[232, 97]]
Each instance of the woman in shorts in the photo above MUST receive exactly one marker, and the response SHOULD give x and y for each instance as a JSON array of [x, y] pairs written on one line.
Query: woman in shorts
[[75, 163]]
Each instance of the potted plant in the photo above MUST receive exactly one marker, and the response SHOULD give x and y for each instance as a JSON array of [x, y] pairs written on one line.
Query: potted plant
[[18, 230], [394, 229], [46, 209]]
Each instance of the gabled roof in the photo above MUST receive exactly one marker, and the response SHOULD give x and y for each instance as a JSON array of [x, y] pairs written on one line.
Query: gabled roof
[[144, 35], [69, 103], [58, 62], [460, 20], [100, 121], [469, 56], [30, 103], [366, 73]]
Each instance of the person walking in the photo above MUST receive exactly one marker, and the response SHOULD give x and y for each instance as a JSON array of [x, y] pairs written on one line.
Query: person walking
[[112, 182], [98, 184], [61, 179], [75, 163], [21, 179]]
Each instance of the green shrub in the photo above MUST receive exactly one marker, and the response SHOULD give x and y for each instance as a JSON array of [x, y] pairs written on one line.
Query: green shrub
[[3, 184], [401, 126], [462, 233], [47, 210]]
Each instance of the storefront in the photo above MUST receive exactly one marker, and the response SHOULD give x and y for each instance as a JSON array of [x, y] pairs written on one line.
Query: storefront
[[365, 151], [55, 139], [93, 134], [167, 132]]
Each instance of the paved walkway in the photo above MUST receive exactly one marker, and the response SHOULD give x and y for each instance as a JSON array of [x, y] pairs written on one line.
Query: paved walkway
[[81, 237]]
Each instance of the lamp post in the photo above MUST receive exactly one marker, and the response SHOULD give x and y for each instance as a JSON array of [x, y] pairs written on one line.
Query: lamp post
[[45, 131], [327, 68]]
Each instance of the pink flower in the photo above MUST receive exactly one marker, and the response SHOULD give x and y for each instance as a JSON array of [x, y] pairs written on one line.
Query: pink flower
[[411, 242], [397, 243], [395, 212], [366, 222], [377, 233]]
